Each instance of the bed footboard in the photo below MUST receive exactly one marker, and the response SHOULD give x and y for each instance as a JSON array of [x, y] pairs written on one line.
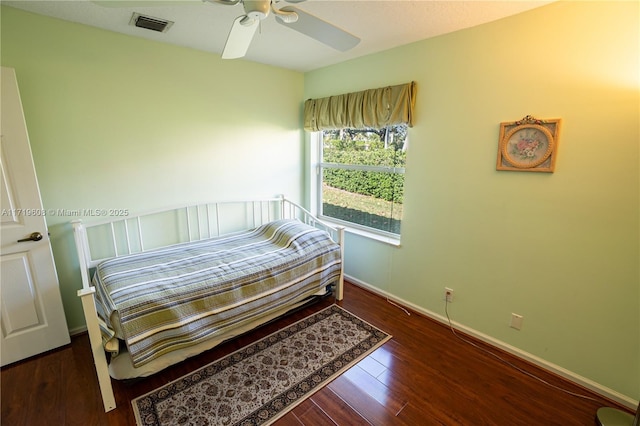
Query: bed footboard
[[87, 296], [99, 357]]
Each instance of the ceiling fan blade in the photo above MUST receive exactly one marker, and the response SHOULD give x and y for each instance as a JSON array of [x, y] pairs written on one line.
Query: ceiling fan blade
[[320, 30], [240, 37]]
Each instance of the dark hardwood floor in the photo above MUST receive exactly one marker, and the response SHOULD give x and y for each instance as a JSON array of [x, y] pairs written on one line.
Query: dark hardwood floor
[[423, 376]]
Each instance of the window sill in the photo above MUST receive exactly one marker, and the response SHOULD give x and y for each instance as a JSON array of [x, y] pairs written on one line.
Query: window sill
[[394, 241]]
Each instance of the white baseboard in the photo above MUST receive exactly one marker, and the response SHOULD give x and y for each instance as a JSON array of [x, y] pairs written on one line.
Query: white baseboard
[[575, 378], [77, 330]]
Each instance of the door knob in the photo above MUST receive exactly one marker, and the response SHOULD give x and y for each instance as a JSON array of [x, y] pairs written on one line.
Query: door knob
[[35, 236]]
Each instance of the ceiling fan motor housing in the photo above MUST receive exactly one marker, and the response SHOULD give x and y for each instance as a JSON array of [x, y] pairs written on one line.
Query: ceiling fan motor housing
[[257, 9]]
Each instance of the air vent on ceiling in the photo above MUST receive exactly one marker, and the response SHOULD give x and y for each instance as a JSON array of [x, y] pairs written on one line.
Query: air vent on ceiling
[[150, 23]]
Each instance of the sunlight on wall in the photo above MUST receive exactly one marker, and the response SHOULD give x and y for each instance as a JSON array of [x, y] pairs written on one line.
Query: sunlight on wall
[[507, 241]]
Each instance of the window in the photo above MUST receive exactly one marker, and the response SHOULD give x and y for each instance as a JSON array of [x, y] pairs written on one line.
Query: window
[[361, 178]]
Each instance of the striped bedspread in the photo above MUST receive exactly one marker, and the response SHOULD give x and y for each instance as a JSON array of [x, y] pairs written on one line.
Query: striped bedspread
[[178, 296]]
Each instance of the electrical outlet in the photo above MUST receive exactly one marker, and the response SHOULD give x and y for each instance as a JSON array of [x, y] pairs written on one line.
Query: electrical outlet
[[448, 294], [516, 321]]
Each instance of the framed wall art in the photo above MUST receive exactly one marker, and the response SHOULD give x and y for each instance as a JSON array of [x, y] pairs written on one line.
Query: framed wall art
[[528, 145]]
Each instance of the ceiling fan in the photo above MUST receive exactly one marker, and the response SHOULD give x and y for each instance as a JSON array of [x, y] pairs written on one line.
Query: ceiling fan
[[244, 26]]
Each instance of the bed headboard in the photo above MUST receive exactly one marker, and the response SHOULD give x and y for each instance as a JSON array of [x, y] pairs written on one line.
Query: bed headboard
[[123, 235]]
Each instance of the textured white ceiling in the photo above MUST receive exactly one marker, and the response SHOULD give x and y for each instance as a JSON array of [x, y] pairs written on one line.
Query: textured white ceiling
[[381, 24]]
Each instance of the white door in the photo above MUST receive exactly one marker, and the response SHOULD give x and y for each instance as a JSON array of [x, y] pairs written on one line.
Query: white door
[[31, 312]]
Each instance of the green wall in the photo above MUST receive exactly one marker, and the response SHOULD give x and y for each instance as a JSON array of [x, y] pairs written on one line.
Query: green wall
[[560, 249], [121, 122]]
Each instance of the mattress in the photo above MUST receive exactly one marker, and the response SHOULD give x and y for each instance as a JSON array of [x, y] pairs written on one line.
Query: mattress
[[180, 296]]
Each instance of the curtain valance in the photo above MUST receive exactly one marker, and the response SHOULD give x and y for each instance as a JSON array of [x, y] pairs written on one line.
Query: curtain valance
[[374, 108]]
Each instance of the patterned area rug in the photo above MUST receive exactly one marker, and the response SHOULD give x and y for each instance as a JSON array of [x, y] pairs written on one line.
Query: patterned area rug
[[261, 382]]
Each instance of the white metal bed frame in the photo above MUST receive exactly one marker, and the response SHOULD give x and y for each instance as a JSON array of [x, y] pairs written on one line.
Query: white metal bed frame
[[199, 226]]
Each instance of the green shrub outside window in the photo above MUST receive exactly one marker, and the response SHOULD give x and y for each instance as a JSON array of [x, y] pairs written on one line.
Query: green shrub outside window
[[363, 177]]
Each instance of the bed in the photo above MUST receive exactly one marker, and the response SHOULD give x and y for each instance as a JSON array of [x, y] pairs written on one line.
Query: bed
[[163, 286]]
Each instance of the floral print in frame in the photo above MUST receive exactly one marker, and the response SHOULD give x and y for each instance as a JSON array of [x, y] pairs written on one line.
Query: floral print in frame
[[528, 145]]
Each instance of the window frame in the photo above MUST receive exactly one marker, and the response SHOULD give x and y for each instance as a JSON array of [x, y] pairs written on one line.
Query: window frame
[[319, 165]]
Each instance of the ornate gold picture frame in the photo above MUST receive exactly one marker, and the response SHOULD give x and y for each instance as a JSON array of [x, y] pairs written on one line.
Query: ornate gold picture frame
[[528, 145]]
